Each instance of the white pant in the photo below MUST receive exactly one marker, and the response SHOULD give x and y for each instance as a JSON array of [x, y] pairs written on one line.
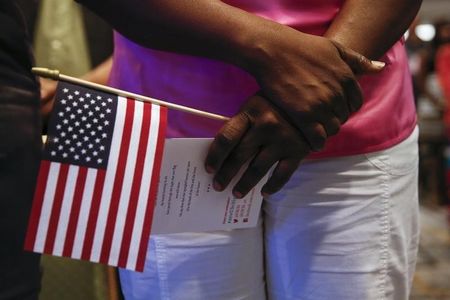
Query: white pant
[[343, 228]]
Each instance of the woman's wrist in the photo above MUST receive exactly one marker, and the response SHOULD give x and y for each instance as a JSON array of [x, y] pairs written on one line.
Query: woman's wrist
[[250, 44], [260, 44]]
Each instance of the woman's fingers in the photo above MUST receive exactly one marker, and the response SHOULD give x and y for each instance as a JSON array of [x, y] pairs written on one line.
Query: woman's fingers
[[256, 170], [281, 175], [226, 139], [359, 64], [257, 131], [241, 154]]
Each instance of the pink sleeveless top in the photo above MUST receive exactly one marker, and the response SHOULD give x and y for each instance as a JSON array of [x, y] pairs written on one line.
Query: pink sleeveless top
[[386, 118]]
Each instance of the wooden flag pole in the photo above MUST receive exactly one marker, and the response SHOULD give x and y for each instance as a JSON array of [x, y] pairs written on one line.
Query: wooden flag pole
[[56, 75]]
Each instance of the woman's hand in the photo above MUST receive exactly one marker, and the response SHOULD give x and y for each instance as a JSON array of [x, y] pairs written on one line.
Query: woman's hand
[[312, 79], [258, 133], [306, 95]]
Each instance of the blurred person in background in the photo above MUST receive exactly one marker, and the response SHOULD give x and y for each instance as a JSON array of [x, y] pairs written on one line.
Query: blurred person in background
[[69, 38], [52, 24], [443, 73], [73, 40], [20, 147], [415, 49], [434, 116], [442, 64]]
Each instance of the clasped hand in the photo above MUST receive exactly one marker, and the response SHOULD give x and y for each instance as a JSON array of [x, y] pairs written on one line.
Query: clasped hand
[[260, 133], [308, 90]]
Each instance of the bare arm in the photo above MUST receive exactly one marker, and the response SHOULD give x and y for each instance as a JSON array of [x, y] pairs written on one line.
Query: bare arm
[[100, 73], [371, 27], [309, 80], [307, 76], [202, 27]]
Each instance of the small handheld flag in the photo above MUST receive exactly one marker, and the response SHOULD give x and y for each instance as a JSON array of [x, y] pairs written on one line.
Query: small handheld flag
[[98, 178]]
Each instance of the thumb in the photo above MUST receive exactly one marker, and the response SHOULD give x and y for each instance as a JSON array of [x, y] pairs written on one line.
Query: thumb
[[359, 64]]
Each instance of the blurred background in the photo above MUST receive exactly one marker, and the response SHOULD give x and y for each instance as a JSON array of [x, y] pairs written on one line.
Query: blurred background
[[428, 45], [64, 33]]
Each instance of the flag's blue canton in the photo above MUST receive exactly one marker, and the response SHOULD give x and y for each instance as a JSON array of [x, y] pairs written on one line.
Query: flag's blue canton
[[81, 126]]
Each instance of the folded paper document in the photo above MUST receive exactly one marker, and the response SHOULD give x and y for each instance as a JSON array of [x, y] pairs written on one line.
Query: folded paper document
[[186, 200]]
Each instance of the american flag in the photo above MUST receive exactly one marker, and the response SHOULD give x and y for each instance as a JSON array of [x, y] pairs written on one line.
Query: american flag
[[98, 178]]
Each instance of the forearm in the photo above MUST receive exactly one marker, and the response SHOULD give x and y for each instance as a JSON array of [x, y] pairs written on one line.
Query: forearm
[[204, 28], [371, 27], [310, 78], [99, 74]]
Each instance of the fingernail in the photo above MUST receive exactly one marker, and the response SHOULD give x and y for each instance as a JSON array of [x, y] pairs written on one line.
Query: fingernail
[[217, 186], [237, 194], [378, 64], [209, 169]]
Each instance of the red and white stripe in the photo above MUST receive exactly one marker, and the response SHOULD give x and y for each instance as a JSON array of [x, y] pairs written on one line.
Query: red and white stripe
[[103, 215]]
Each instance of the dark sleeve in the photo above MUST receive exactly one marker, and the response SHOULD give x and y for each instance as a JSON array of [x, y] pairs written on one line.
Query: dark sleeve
[[20, 145]]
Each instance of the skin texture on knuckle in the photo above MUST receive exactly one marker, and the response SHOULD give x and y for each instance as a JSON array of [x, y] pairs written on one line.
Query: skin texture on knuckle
[[340, 49], [232, 129], [251, 110], [326, 99], [355, 101], [224, 138], [284, 91], [364, 62], [338, 70], [286, 139], [304, 112], [341, 111], [319, 140], [241, 155], [353, 95], [269, 123], [285, 170], [292, 142], [316, 136], [258, 168], [347, 77], [332, 127], [318, 110]]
